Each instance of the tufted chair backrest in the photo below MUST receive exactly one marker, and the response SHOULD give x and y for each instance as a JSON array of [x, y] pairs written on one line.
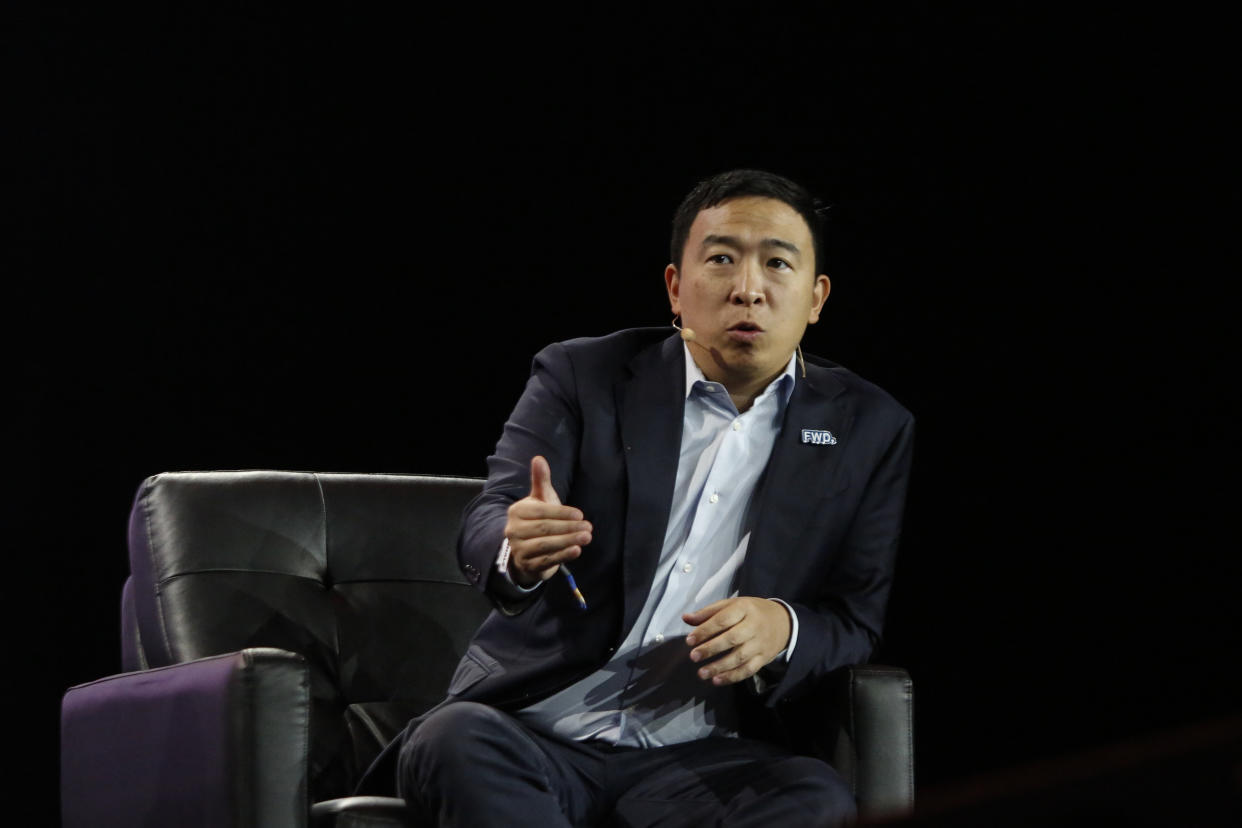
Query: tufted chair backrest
[[356, 572]]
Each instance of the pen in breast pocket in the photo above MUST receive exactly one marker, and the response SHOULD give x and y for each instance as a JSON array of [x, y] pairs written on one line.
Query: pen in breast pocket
[[573, 585]]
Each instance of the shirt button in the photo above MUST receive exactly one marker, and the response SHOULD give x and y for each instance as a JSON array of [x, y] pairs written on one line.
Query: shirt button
[[659, 639], [713, 498], [687, 567], [737, 426]]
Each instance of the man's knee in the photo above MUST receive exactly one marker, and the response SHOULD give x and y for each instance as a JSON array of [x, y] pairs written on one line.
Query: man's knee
[[450, 739], [468, 762], [818, 788]]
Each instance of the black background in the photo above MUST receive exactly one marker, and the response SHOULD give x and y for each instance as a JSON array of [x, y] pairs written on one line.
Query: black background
[[332, 240]]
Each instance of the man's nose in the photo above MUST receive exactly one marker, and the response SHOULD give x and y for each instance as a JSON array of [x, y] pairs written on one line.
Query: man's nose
[[748, 287]]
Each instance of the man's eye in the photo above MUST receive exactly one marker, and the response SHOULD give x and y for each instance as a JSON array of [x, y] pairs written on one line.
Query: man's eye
[[720, 258], [780, 264]]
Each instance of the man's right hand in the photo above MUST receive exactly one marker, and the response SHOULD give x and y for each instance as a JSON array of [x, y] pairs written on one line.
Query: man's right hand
[[543, 533]]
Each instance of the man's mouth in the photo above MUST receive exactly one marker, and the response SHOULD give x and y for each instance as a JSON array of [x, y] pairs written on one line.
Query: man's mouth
[[744, 332]]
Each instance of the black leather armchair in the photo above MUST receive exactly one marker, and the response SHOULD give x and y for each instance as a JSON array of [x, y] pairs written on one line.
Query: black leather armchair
[[278, 628]]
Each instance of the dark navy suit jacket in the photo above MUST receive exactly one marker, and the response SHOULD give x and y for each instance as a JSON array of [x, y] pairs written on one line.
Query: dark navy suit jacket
[[607, 414]]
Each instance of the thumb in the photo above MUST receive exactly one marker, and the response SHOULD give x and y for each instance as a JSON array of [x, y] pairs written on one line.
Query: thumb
[[541, 481]]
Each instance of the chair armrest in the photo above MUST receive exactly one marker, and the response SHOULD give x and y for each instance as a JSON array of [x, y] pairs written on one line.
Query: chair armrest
[[351, 811], [874, 748], [217, 741]]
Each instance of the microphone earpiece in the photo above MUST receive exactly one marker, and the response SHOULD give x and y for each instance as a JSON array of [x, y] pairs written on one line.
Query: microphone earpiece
[[688, 336]]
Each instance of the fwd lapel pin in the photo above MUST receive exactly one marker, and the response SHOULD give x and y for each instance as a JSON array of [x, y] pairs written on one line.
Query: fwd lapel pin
[[818, 437]]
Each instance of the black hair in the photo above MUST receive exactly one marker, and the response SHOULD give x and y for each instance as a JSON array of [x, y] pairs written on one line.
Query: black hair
[[741, 183]]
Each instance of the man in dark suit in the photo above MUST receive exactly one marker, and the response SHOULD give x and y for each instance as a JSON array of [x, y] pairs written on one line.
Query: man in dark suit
[[731, 513]]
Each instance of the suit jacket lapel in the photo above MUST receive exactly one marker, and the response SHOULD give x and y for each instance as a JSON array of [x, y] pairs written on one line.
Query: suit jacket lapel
[[651, 407], [798, 475]]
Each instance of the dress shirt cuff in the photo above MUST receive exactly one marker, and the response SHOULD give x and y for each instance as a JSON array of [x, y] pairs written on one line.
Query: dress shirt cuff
[[784, 655], [502, 565]]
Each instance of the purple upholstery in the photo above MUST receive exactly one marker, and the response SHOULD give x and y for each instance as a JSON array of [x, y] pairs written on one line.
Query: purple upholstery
[[130, 743]]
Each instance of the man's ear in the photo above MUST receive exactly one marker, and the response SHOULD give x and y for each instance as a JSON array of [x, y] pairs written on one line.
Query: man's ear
[[672, 281], [819, 294]]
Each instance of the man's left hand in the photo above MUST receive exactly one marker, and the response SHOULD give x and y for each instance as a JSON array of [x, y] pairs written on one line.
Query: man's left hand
[[746, 634]]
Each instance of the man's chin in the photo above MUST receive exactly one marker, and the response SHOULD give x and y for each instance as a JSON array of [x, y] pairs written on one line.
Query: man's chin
[[744, 365]]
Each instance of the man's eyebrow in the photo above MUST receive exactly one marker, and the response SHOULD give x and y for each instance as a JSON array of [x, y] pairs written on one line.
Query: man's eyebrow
[[783, 245], [731, 241], [712, 238]]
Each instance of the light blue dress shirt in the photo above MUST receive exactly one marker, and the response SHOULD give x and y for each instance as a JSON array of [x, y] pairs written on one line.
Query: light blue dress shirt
[[649, 693]]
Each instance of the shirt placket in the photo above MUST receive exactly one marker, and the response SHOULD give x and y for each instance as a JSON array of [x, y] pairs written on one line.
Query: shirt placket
[[687, 571]]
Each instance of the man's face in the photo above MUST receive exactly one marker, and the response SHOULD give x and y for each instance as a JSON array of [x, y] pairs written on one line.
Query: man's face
[[747, 287]]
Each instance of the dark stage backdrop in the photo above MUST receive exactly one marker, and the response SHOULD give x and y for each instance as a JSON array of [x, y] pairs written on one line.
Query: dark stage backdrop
[[333, 240]]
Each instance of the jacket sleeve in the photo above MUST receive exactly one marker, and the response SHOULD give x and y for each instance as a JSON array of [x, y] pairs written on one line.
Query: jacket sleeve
[[547, 420]]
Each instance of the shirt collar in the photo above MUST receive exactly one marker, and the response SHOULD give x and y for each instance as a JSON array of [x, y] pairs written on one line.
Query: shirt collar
[[784, 383]]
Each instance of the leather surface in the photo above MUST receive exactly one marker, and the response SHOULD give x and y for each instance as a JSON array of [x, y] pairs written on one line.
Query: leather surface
[[214, 742], [355, 572], [861, 720], [275, 722], [372, 725], [360, 811], [875, 748], [132, 656]]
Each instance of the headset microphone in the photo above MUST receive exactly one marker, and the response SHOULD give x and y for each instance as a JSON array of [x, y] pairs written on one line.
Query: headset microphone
[[689, 337]]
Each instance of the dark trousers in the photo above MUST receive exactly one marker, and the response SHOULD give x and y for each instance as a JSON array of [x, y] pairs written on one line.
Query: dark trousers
[[471, 765]]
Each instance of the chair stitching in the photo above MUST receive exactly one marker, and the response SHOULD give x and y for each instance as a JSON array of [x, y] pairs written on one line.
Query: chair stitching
[[122, 676], [323, 506], [224, 570], [909, 692], [227, 570], [304, 754], [323, 509], [159, 602]]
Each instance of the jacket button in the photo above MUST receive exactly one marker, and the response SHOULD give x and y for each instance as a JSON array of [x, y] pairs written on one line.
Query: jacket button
[[472, 572]]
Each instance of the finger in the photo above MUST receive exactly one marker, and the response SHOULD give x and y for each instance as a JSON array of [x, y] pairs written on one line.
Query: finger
[[721, 620], [727, 640], [524, 529], [530, 509], [541, 481], [525, 549], [729, 660], [698, 616], [550, 561], [741, 673]]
